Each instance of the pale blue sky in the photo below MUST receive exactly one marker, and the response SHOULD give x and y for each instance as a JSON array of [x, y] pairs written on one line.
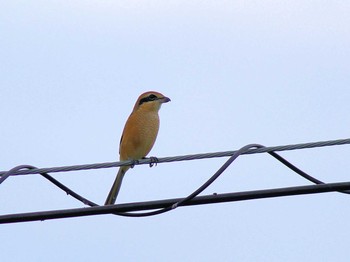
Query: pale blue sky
[[238, 72]]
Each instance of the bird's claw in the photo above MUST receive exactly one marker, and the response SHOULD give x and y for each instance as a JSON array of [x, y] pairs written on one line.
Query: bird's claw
[[133, 163], [154, 161]]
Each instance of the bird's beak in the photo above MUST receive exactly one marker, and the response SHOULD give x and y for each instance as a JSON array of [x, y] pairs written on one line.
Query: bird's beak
[[164, 99]]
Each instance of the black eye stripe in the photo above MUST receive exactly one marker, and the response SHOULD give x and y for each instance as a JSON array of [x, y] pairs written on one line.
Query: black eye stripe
[[151, 97]]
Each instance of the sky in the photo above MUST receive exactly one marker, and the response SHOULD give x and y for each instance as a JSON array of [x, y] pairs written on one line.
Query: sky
[[237, 72]]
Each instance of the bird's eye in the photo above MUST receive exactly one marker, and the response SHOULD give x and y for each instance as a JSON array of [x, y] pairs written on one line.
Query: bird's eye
[[149, 98], [152, 96]]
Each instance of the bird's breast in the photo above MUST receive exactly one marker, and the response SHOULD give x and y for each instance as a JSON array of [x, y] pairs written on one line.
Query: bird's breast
[[139, 135]]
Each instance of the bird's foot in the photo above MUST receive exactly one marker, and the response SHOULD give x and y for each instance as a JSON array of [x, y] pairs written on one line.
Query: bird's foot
[[154, 161], [133, 163]]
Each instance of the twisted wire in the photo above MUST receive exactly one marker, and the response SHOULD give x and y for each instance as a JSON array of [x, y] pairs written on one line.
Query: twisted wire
[[181, 158]]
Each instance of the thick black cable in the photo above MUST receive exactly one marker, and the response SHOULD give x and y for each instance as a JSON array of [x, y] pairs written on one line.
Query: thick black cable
[[156, 204]]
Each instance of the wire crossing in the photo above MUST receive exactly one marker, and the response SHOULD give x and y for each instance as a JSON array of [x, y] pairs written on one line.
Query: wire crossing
[[163, 206]]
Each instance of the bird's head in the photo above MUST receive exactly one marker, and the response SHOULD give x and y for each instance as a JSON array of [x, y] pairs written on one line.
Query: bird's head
[[150, 101]]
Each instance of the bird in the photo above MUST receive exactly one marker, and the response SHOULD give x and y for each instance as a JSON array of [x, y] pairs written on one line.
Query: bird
[[139, 135]]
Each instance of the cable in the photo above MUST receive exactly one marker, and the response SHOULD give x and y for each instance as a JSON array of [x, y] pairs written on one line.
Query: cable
[[199, 190], [149, 205], [255, 148], [237, 153], [13, 171], [52, 180], [181, 158]]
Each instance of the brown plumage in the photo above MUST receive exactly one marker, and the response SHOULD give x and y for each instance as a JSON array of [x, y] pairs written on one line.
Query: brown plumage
[[139, 134]]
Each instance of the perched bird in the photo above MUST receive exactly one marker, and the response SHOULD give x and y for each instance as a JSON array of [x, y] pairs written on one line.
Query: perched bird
[[139, 134]]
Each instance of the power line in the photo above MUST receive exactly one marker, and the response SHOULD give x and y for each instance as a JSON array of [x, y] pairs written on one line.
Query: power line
[[181, 158], [159, 204], [248, 149]]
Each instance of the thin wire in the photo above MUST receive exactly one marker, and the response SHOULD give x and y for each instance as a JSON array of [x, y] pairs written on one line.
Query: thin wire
[[52, 180], [68, 190], [13, 171], [199, 190], [181, 158], [239, 152]]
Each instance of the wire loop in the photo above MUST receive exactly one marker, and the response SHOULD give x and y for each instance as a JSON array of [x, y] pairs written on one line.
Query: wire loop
[[248, 149]]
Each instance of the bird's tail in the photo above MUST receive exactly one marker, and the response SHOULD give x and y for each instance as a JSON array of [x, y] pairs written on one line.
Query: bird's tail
[[112, 196]]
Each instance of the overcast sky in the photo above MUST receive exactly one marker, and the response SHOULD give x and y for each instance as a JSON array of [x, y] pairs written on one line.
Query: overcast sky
[[237, 72]]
